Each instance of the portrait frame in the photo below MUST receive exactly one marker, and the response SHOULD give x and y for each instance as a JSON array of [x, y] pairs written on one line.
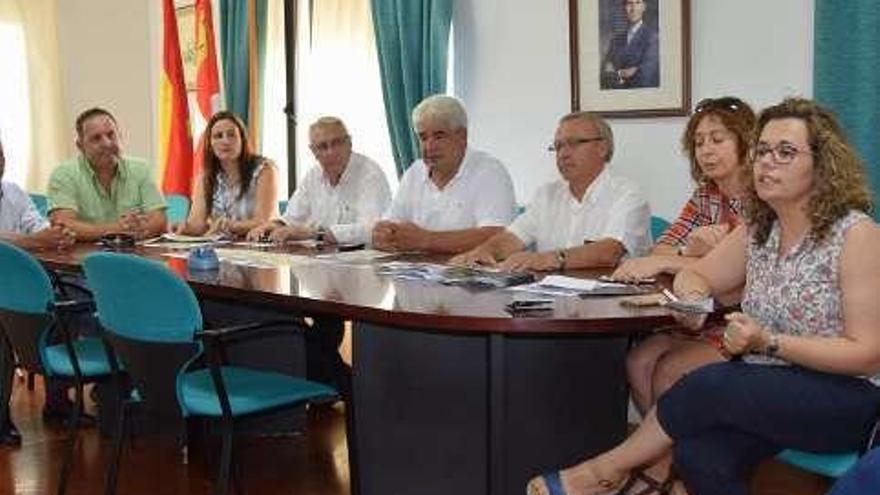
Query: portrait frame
[[595, 38]]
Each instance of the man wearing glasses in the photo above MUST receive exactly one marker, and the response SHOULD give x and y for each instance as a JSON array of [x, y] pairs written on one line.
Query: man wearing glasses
[[339, 200], [454, 197], [633, 58], [589, 218]]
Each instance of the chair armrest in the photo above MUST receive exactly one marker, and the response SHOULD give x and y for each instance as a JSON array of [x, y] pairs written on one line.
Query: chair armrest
[[249, 331], [74, 306]]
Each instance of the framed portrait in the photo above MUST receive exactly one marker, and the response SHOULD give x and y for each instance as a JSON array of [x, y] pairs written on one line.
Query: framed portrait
[[630, 58]]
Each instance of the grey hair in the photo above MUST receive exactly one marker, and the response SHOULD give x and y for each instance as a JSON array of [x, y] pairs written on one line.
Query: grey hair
[[328, 121], [444, 109], [601, 126]]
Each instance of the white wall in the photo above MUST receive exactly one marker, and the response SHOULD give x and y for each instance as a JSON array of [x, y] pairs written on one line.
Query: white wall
[[512, 71], [107, 49]]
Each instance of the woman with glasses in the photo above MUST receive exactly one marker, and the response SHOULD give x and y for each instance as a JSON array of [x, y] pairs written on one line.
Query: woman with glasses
[[716, 142], [807, 339], [236, 189]]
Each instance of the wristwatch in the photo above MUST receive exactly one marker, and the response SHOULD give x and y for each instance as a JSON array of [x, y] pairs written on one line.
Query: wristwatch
[[772, 345], [561, 257]]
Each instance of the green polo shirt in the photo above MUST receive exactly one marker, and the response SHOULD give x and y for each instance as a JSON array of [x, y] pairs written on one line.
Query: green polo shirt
[[74, 185]]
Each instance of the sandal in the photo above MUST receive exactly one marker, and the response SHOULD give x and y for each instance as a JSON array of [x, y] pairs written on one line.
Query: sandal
[[553, 482], [650, 486]]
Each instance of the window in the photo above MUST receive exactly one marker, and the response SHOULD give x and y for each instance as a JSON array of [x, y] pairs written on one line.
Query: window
[[15, 119], [337, 74]]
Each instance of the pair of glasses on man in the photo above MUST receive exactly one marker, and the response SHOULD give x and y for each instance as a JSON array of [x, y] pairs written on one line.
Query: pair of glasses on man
[[560, 145], [782, 153], [329, 145]]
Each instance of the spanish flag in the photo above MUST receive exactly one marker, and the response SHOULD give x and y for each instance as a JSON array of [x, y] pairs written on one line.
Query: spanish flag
[[207, 78], [176, 149]]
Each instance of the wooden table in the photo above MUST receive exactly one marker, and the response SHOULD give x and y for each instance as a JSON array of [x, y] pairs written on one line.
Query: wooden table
[[450, 393]]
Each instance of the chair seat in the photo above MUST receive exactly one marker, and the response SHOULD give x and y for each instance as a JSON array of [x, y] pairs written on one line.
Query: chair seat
[[249, 391], [833, 465], [89, 352]]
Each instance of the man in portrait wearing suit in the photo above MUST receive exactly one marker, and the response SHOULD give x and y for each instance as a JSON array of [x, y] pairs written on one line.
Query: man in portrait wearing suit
[[633, 58]]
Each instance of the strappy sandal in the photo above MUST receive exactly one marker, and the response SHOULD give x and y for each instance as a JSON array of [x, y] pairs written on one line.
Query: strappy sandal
[[553, 482], [651, 486]]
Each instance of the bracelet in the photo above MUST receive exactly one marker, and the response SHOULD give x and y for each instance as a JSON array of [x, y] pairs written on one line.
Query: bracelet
[[772, 348], [561, 257]]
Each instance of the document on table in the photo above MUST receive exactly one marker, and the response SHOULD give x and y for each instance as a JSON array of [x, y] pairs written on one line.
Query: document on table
[[561, 285]]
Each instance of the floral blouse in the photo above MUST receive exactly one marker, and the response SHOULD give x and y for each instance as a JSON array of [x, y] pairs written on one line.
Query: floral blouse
[[797, 293]]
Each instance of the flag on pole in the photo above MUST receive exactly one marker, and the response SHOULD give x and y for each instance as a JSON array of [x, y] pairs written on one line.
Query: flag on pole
[[207, 76], [175, 149]]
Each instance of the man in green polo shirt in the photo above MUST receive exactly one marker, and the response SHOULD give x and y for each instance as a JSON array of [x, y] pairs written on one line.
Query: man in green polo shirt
[[100, 191]]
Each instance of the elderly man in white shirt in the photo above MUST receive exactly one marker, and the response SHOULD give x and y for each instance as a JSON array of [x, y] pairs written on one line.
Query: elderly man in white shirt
[[454, 197], [20, 222], [22, 225], [589, 218], [341, 199]]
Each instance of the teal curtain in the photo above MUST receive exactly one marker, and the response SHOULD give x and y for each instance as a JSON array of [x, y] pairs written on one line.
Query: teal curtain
[[412, 39], [846, 73], [236, 55]]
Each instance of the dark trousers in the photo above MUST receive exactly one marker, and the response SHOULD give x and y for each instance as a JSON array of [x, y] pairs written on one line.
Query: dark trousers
[[7, 370], [725, 418], [324, 363]]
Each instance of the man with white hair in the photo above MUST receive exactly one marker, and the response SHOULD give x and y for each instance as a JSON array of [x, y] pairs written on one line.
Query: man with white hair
[[454, 197], [339, 200], [587, 218]]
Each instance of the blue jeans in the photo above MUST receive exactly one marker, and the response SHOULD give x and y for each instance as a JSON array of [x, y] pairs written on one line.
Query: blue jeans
[[725, 418]]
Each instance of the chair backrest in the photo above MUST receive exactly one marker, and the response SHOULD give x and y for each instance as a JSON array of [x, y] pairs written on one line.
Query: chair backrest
[[658, 227], [25, 298], [41, 202], [25, 286], [178, 208], [149, 316], [142, 299]]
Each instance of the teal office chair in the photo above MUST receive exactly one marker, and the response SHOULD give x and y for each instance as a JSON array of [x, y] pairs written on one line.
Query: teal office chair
[[830, 465], [31, 320], [41, 202], [178, 208], [159, 350], [658, 227]]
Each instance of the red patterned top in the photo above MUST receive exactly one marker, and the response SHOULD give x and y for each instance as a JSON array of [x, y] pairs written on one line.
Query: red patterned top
[[707, 206]]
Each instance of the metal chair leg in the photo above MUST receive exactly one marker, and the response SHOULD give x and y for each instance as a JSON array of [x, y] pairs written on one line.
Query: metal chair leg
[[72, 437], [222, 486], [118, 441]]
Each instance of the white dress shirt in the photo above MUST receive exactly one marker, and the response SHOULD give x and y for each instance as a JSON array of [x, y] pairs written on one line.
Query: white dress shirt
[[350, 208], [18, 214], [479, 195], [612, 208]]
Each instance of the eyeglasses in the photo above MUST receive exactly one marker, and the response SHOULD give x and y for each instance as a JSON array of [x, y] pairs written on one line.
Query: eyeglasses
[[325, 146], [571, 143], [783, 153], [727, 103]]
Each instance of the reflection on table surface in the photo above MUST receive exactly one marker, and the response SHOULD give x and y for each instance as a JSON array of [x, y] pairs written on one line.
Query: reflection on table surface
[[294, 277]]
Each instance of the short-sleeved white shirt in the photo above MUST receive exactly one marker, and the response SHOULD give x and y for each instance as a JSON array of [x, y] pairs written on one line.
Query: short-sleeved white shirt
[[350, 208], [612, 208], [18, 214], [479, 195]]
